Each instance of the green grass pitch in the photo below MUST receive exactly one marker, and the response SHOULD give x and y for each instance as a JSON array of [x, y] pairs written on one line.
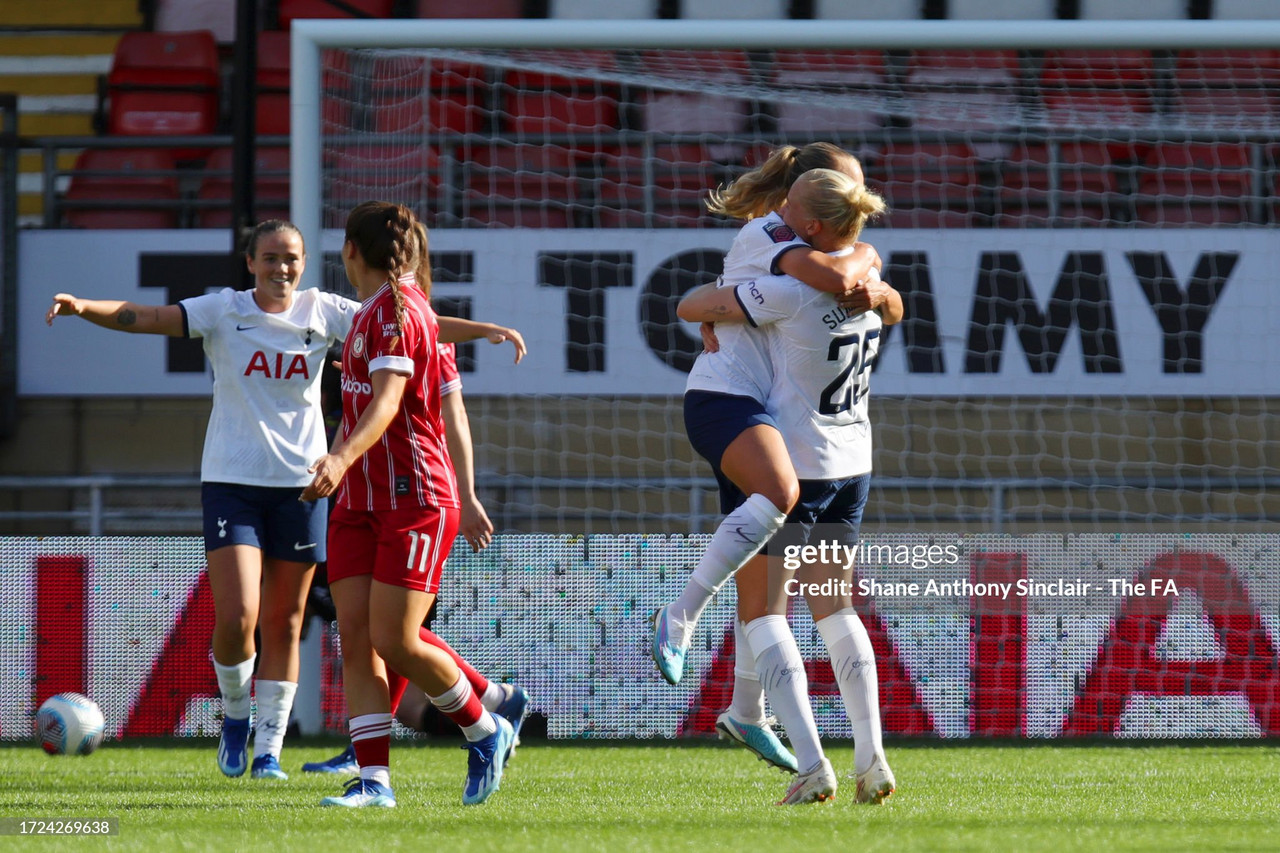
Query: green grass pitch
[[630, 796]]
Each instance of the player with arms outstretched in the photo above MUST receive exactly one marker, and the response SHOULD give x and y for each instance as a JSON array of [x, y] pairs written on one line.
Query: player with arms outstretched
[[267, 347]]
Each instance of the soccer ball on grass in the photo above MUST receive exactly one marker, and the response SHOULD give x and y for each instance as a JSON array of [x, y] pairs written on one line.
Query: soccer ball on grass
[[69, 724]]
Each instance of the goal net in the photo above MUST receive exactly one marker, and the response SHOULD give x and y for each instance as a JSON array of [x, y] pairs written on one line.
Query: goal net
[[1080, 227], [1080, 237]]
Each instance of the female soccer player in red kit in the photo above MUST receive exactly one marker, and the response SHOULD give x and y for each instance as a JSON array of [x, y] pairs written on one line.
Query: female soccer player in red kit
[[397, 511]]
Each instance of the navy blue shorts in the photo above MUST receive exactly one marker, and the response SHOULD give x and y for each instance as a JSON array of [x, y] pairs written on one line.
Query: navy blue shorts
[[835, 506], [266, 517], [713, 420]]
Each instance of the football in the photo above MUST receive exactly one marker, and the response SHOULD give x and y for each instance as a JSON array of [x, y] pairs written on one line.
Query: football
[[69, 724]]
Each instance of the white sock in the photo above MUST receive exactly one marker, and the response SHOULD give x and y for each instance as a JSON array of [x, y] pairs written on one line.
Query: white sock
[[493, 696], [452, 700], [233, 682], [854, 663], [738, 538], [781, 671], [748, 696], [368, 726], [275, 701]]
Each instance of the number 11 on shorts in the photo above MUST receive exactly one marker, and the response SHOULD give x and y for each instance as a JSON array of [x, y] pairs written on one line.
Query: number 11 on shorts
[[419, 550]]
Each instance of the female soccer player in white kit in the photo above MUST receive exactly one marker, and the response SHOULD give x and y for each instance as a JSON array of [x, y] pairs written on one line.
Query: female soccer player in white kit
[[728, 424], [267, 348], [822, 357]]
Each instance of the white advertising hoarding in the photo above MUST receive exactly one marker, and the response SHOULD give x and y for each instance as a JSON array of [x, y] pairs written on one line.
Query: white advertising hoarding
[[990, 312]]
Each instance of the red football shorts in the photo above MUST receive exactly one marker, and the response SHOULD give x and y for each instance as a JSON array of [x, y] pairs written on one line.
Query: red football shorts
[[400, 547]]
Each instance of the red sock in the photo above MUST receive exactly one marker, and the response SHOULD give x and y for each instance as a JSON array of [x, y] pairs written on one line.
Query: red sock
[[460, 703], [396, 685], [478, 682], [371, 738]]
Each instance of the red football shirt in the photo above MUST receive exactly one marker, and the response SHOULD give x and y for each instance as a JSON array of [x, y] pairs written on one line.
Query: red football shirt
[[409, 464]]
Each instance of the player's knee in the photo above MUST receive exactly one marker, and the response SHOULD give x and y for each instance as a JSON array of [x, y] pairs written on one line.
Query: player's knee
[[783, 494], [388, 643]]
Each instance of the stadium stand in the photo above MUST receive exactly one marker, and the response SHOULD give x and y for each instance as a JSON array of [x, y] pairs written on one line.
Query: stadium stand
[[50, 56], [849, 94], [539, 103], [474, 9], [271, 187], [290, 10], [123, 188], [164, 84]]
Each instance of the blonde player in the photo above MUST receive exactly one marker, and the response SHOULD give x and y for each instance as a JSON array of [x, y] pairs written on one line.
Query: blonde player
[[822, 356], [728, 424]]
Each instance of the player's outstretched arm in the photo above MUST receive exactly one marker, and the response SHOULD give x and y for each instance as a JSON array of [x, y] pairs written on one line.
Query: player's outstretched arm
[[474, 524], [118, 315], [709, 303], [455, 330], [828, 273]]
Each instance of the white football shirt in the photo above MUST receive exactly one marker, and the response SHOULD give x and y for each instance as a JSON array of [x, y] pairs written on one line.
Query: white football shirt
[[266, 427], [742, 366], [822, 358]]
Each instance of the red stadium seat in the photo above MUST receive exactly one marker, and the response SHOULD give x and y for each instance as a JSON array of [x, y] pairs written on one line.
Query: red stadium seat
[[1097, 88], [530, 186], [1221, 89], [1197, 184], [680, 110], [408, 173], [930, 185], [123, 188], [270, 190], [418, 95], [271, 107], [293, 9], [629, 190], [1095, 182], [164, 84], [963, 90], [834, 91], [539, 103]]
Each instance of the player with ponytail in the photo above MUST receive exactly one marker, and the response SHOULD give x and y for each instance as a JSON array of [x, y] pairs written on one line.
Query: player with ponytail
[[397, 511]]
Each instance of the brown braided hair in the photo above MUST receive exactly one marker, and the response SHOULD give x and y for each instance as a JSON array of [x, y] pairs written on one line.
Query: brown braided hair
[[384, 235], [764, 188], [422, 258]]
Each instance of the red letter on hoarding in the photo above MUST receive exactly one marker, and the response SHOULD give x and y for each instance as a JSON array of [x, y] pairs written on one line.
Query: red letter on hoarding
[[1126, 665], [181, 672], [998, 658], [60, 625]]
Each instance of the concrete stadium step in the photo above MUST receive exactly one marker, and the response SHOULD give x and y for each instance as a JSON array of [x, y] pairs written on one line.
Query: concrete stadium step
[[55, 76], [121, 14]]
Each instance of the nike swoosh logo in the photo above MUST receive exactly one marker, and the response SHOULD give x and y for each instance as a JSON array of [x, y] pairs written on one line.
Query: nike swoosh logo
[[298, 547], [240, 328]]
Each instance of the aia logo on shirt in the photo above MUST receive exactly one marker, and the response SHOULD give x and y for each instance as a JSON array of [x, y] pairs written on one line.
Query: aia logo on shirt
[[779, 232], [277, 368]]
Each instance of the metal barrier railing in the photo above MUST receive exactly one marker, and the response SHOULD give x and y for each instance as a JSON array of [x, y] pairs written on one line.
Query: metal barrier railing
[[513, 500]]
